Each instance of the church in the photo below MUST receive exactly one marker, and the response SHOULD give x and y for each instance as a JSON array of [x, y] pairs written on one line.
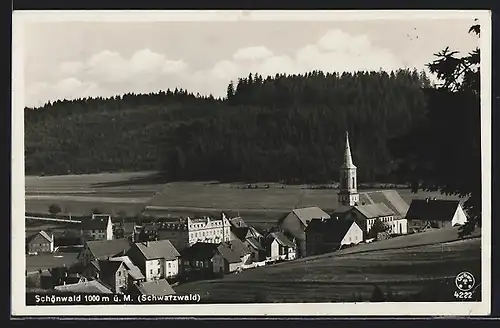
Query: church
[[366, 208]]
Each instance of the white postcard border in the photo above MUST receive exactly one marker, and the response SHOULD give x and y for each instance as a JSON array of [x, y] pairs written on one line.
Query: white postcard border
[[18, 306]]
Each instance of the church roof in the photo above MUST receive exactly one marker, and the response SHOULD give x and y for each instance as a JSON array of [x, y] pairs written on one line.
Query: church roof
[[372, 211], [390, 198], [348, 163]]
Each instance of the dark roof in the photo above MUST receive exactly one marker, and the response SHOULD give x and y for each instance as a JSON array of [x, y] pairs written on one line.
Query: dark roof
[[199, 251], [109, 248], [159, 249], [157, 287], [237, 246], [126, 227], [238, 222], [254, 243], [333, 230], [390, 198], [109, 268], [240, 232], [39, 233], [256, 233], [95, 224], [432, 210], [281, 238], [228, 254]]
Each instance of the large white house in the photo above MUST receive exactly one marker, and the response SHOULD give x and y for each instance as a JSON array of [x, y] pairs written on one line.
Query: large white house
[[186, 232], [156, 259]]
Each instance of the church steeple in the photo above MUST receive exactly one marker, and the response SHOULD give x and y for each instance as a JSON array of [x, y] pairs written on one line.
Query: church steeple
[[348, 163], [348, 193]]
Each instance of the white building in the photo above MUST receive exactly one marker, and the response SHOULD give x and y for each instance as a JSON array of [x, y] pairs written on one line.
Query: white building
[[367, 215], [156, 259], [187, 232]]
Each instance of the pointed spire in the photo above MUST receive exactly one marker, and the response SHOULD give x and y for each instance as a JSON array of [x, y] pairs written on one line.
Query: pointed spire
[[348, 163]]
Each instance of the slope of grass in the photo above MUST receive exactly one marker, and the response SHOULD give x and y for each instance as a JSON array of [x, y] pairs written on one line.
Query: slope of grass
[[406, 267]]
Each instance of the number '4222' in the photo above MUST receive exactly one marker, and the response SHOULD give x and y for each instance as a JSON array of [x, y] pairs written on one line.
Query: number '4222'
[[463, 295]]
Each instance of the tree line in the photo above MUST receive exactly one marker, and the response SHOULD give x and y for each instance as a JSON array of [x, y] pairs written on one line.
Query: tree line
[[287, 128]]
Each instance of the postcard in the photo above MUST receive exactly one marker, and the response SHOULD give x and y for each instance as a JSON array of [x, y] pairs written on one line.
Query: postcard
[[251, 163]]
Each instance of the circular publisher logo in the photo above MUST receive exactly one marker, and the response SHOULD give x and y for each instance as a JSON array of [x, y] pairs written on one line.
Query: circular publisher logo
[[465, 281]]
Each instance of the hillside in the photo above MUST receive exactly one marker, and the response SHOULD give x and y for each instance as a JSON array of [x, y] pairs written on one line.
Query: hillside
[[287, 127], [417, 264]]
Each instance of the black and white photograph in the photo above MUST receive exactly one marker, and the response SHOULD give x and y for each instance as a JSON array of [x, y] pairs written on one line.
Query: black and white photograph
[[273, 162]]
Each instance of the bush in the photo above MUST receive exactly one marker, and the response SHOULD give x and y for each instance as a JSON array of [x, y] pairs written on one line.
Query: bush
[[377, 295], [54, 209]]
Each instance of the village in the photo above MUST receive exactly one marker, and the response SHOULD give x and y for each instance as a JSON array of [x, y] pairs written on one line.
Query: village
[[151, 258]]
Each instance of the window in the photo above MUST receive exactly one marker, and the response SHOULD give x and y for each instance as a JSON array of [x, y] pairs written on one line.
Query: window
[[158, 262], [158, 271], [119, 273], [151, 271], [169, 265]]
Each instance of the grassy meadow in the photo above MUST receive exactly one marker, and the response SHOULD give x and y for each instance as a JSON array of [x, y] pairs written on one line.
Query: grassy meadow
[[407, 266], [131, 192]]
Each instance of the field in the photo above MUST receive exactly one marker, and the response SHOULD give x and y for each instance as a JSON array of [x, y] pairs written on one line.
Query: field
[[407, 265], [79, 194], [131, 192], [48, 261]]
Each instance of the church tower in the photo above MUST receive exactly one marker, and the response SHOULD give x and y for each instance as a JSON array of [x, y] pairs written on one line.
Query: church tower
[[348, 193]]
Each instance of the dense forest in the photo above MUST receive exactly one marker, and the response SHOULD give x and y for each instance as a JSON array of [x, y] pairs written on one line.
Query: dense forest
[[287, 128]]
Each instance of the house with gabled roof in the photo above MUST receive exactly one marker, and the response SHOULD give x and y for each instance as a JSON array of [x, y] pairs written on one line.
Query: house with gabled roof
[[325, 236], [258, 251], [295, 224], [279, 247], [114, 275], [227, 259], [241, 249], [99, 227], [102, 249], [366, 216], [118, 276], [156, 259], [40, 242], [197, 259], [125, 230], [434, 213]]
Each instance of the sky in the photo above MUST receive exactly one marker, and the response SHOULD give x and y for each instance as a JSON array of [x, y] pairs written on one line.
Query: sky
[[67, 60]]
